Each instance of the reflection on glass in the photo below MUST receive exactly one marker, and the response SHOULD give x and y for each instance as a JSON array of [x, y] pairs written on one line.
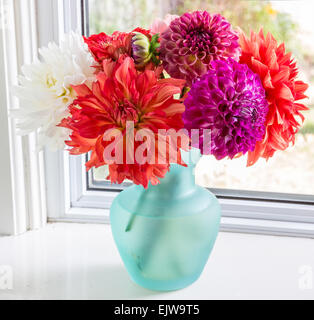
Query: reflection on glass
[[291, 171]]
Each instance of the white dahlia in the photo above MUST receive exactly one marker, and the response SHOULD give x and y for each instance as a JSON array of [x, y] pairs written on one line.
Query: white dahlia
[[45, 92]]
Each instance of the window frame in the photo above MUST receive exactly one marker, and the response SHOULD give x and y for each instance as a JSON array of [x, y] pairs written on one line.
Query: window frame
[[73, 196], [23, 195], [221, 193]]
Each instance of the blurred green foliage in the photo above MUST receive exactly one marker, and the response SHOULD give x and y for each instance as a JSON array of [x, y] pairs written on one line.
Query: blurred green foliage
[[109, 16], [123, 15]]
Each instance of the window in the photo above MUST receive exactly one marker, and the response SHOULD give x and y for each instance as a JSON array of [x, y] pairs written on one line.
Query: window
[[283, 174], [273, 197]]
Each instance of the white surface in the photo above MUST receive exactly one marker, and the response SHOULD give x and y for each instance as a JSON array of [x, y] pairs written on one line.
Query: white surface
[[80, 261]]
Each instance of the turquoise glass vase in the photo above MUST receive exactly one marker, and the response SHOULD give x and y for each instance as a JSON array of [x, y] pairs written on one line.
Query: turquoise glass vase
[[165, 233]]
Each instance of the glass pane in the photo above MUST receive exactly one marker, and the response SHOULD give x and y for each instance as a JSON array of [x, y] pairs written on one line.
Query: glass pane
[[291, 171]]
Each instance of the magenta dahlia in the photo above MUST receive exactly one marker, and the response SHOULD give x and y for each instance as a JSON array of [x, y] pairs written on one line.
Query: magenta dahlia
[[193, 41], [229, 101]]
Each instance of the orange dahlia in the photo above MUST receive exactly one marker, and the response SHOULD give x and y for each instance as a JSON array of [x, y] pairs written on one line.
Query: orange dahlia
[[121, 94], [278, 73]]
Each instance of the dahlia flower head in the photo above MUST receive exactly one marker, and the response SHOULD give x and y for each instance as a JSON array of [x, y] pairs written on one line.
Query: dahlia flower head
[[229, 102], [121, 94], [45, 89], [278, 73], [193, 41]]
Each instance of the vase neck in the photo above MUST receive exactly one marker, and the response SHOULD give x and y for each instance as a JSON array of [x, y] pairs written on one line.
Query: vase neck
[[179, 180]]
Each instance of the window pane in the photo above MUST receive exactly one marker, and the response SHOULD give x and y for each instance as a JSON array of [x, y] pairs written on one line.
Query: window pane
[[291, 171]]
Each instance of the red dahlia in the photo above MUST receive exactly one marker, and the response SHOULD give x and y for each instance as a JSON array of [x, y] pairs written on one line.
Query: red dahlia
[[120, 94]]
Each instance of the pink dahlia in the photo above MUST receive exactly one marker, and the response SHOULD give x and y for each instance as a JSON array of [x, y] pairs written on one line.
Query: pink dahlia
[[229, 101], [193, 41]]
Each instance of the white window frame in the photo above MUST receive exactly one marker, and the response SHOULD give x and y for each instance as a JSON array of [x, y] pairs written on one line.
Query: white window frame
[[22, 197], [63, 183]]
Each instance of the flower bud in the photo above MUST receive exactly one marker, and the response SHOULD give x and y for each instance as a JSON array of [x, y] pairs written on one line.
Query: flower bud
[[141, 52]]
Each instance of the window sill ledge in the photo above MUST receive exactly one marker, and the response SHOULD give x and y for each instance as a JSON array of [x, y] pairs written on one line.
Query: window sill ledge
[[80, 261]]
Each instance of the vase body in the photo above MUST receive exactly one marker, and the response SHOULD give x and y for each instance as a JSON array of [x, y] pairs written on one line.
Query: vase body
[[165, 233]]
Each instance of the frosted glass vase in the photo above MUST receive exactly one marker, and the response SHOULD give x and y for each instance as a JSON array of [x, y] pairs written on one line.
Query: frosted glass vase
[[165, 233]]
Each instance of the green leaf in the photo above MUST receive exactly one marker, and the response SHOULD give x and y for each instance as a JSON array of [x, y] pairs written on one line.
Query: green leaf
[[154, 44]]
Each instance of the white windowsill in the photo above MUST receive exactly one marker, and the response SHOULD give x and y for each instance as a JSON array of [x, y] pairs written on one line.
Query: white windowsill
[[80, 261]]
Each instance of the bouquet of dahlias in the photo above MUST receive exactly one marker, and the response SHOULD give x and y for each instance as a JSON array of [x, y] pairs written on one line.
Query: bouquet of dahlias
[[124, 97]]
